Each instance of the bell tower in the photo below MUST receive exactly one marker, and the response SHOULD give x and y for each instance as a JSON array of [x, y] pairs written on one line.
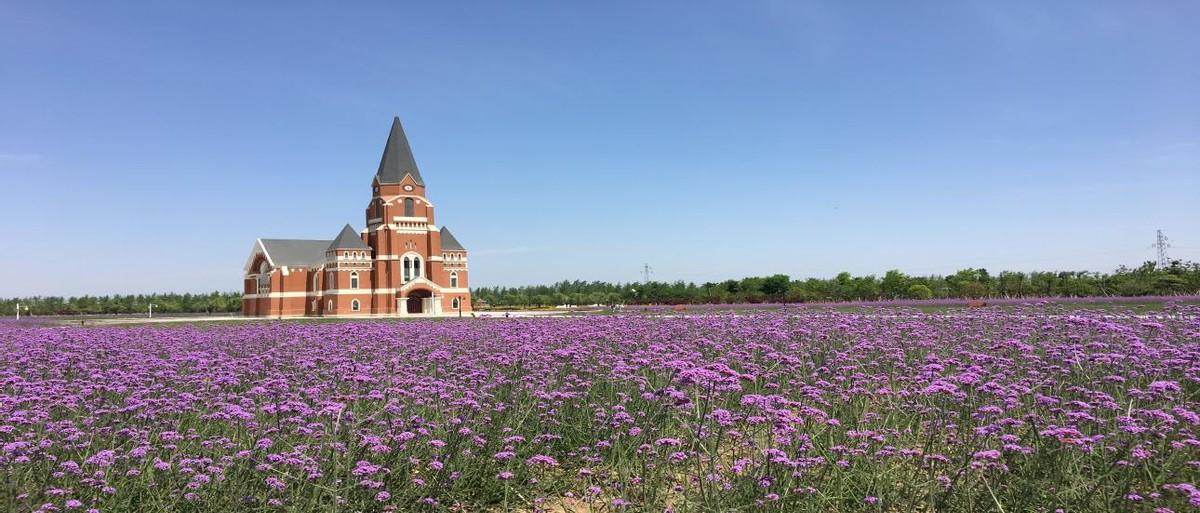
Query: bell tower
[[401, 229]]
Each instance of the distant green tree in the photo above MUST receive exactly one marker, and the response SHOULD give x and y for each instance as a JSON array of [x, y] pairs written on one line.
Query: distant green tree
[[1167, 284], [864, 288], [919, 291], [894, 284], [776, 286]]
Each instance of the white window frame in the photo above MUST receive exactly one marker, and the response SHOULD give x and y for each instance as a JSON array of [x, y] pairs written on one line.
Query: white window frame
[[411, 260], [355, 305]]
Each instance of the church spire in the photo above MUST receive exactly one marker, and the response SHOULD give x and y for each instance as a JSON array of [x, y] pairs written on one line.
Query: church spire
[[397, 158]]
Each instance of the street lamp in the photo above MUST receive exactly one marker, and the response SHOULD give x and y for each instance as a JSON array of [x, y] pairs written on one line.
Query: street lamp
[[19, 311], [151, 313]]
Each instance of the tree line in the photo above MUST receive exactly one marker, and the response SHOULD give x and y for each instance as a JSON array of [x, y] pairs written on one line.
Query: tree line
[[1148, 279], [212, 302]]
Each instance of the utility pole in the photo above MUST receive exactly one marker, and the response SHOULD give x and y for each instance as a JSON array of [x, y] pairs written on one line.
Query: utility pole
[[646, 270], [1161, 244]]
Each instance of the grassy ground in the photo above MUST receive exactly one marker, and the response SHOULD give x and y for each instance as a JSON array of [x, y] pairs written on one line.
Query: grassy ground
[[1127, 307]]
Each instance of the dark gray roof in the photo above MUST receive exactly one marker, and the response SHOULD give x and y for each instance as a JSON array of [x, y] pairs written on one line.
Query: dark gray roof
[[397, 158], [449, 242], [348, 239], [295, 251]]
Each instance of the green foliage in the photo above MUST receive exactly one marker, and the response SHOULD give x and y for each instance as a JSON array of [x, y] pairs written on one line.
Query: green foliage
[[895, 284], [919, 291], [776, 286], [213, 302], [1148, 279]]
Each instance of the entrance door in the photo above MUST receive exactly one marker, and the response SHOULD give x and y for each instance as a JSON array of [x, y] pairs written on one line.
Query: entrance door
[[416, 301]]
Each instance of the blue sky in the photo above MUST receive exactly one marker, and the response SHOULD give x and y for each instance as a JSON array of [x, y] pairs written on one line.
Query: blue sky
[[144, 146]]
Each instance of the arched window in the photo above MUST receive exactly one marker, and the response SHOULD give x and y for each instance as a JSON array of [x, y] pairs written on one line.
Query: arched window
[[454, 281], [264, 278], [409, 208], [354, 280], [354, 305], [328, 305], [454, 304], [407, 269], [315, 276], [416, 267]]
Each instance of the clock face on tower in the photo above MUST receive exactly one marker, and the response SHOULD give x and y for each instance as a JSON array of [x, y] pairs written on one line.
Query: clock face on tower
[[408, 188]]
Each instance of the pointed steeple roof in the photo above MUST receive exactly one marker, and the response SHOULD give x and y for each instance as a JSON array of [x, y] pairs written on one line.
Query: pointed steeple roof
[[449, 242], [348, 239], [397, 158]]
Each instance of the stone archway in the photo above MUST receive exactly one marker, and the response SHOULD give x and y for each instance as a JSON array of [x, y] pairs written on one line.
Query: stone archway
[[419, 302]]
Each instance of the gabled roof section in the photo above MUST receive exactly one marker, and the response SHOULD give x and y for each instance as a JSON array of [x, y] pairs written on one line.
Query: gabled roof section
[[258, 249], [420, 282], [297, 252], [348, 239], [449, 242], [397, 158]]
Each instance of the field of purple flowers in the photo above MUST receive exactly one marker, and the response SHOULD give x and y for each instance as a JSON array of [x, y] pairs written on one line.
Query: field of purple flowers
[[890, 410]]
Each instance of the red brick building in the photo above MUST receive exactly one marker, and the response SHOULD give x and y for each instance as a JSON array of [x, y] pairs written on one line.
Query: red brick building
[[400, 264]]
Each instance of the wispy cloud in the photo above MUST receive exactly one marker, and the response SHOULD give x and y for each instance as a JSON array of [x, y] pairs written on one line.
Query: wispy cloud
[[1025, 24], [19, 157], [1187, 151], [508, 251], [813, 26]]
